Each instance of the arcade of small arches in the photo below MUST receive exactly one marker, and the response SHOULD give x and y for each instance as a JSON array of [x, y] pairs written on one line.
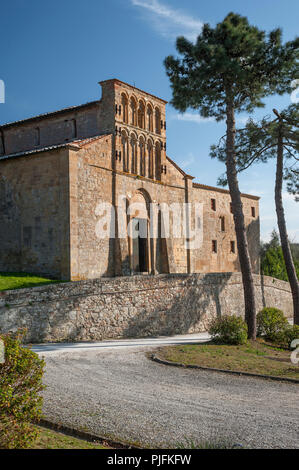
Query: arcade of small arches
[[140, 114], [141, 155]]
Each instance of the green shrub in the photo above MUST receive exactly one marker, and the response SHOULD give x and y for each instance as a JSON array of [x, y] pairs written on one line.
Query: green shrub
[[20, 387], [270, 321], [228, 329], [285, 336]]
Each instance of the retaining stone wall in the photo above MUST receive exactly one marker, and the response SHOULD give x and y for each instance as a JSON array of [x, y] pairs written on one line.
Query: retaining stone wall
[[132, 306]]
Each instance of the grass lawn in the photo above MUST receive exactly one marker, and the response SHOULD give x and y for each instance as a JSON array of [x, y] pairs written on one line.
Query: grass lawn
[[255, 357], [49, 439], [21, 280]]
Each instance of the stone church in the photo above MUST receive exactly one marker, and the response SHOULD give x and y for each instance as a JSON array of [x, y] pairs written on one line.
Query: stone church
[[57, 168]]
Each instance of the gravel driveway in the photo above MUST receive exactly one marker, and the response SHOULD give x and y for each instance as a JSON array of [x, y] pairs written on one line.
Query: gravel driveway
[[120, 393]]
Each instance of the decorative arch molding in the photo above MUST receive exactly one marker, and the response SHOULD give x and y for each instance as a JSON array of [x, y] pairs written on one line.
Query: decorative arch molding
[[142, 160], [157, 120], [157, 160], [133, 110], [125, 131], [125, 107], [133, 134], [150, 117], [124, 92], [145, 194], [141, 134], [125, 150], [140, 243], [141, 114], [150, 154], [141, 196], [133, 152]]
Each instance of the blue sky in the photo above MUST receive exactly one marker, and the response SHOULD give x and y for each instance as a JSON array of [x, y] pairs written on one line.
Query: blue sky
[[54, 53]]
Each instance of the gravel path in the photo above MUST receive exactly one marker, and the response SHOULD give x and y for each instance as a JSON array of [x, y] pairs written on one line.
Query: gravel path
[[122, 394]]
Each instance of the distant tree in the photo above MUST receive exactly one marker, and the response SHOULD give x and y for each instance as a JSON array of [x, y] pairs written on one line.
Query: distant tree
[[295, 251], [229, 69], [272, 260]]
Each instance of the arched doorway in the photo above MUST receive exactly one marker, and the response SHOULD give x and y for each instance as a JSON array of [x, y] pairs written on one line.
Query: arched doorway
[[139, 236]]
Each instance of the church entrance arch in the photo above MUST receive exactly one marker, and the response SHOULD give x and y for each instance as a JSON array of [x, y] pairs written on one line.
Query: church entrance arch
[[139, 240]]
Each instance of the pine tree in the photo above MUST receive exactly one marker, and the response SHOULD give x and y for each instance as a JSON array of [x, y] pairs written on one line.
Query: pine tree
[[268, 139], [229, 69]]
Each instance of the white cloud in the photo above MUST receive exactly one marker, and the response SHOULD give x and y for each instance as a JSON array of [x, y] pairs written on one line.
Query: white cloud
[[242, 119], [254, 191], [184, 164], [289, 197], [191, 117], [198, 119], [168, 21]]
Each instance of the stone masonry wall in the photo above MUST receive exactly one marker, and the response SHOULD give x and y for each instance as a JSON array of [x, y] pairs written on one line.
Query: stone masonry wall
[[34, 214], [52, 129], [135, 306]]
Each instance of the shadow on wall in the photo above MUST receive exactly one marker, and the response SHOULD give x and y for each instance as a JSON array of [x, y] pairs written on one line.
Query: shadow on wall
[[185, 303], [190, 310], [253, 237], [136, 306], [10, 228], [26, 245], [263, 290]]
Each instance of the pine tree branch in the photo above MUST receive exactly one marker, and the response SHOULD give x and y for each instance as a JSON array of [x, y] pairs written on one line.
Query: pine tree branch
[[255, 156], [291, 153]]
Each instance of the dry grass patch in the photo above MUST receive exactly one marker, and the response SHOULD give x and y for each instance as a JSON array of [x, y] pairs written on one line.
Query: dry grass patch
[[256, 357], [49, 439]]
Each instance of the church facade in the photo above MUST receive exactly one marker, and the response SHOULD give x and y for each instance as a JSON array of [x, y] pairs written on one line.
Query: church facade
[[90, 191]]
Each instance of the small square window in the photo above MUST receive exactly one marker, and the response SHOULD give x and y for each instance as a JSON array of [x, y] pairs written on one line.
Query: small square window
[[214, 246], [233, 246], [252, 211], [213, 204], [231, 208]]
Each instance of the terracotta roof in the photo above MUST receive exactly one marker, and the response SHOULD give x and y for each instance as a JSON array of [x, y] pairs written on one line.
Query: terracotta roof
[[178, 168], [221, 190], [51, 113], [88, 140], [204, 186], [75, 144]]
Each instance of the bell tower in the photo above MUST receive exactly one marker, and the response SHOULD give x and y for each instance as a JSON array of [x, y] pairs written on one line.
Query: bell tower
[[137, 120]]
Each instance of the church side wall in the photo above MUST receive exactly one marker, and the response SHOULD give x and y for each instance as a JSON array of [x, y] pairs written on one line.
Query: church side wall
[[34, 214], [51, 130], [218, 225]]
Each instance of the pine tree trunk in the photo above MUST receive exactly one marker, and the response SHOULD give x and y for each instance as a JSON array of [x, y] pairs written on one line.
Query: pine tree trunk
[[288, 259], [237, 209]]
